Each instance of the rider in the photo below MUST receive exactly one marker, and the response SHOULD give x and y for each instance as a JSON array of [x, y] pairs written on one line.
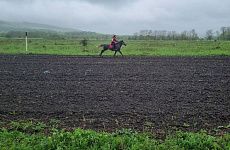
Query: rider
[[114, 41]]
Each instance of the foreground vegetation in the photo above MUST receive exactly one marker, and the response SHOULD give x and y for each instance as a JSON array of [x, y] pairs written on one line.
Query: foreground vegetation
[[133, 48], [37, 135]]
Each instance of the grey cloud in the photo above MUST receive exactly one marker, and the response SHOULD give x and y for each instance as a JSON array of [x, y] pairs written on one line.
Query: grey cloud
[[120, 16], [110, 2]]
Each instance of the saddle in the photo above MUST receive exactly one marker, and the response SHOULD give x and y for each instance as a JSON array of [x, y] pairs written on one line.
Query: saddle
[[111, 46]]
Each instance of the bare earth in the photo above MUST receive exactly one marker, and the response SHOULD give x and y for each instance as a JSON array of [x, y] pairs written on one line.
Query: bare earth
[[141, 93]]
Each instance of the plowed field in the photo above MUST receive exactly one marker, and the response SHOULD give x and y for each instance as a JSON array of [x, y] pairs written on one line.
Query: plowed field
[[143, 93]]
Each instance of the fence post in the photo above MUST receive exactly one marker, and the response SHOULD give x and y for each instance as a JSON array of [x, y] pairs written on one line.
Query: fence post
[[26, 42]]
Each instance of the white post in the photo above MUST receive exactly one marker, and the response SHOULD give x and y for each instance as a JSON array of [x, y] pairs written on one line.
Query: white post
[[26, 43]]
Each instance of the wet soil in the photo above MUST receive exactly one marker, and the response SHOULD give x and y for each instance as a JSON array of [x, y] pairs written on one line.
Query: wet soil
[[141, 93]]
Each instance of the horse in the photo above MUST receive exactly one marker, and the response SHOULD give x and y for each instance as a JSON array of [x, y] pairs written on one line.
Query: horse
[[117, 48]]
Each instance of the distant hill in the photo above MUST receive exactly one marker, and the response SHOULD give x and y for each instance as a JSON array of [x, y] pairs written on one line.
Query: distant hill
[[35, 30], [27, 26]]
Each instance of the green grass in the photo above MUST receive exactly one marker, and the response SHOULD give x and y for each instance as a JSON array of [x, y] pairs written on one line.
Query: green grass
[[133, 48], [33, 135]]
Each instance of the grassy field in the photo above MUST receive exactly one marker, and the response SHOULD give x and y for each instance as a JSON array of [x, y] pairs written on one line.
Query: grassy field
[[133, 48], [37, 135]]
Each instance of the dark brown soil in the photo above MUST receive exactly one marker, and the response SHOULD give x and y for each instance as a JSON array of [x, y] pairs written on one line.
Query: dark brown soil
[[141, 93]]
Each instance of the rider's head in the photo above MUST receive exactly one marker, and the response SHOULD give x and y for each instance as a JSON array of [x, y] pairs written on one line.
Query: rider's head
[[114, 36]]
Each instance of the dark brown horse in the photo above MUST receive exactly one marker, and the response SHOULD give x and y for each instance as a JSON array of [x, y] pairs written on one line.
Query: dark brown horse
[[116, 48]]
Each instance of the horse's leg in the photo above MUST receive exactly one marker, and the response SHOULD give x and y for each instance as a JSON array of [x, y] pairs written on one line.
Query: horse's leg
[[102, 51], [120, 53], [115, 54]]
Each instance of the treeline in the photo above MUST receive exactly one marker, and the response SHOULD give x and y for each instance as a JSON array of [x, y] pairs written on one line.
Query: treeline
[[86, 35], [223, 34], [164, 35], [55, 35], [33, 34]]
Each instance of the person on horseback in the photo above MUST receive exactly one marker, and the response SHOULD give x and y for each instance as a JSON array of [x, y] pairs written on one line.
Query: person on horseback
[[114, 41]]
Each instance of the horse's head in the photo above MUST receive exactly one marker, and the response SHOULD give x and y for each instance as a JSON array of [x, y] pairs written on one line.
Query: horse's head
[[122, 42]]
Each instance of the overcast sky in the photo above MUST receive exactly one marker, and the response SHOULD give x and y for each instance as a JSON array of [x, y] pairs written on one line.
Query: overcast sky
[[121, 16]]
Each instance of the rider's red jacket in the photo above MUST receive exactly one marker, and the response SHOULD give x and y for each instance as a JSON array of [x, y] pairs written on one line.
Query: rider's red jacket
[[114, 40]]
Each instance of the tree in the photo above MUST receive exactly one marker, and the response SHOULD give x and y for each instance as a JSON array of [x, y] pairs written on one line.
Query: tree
[[209, 34], [223, 31], [193, 35], [184, 35], [84, 43], [217, 35]]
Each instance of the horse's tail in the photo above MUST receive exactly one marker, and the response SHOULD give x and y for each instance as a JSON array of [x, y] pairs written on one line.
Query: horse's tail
[[100, 45]]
